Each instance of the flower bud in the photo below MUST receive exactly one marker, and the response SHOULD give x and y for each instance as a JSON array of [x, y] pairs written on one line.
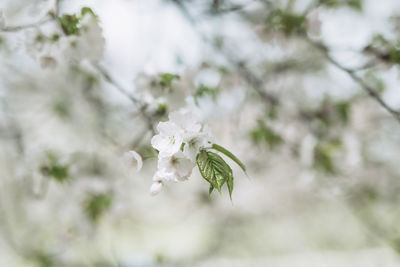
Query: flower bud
[[156, 188]]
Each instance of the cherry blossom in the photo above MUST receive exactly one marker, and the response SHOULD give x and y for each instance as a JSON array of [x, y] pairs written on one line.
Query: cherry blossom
[[169, 139], [132, 158]]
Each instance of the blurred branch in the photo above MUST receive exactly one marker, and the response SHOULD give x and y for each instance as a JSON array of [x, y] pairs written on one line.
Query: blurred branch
[[17, 28], [112, 81], [14, 130], [136, 101], [57, 7], [52, 15], [352, 73], [371, 226], [256, 83], [218, 8]]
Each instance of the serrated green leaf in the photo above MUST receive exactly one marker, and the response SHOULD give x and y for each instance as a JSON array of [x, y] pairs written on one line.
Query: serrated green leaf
[[214, 169], [210, 190], [230, 155]]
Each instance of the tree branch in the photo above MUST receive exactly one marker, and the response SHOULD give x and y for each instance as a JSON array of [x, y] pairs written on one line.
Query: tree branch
[[17, 28], [256, 83], [352, 73], [136, 101]]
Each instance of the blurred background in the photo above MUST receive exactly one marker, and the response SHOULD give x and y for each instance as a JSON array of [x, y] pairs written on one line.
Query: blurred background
[[304, 92]]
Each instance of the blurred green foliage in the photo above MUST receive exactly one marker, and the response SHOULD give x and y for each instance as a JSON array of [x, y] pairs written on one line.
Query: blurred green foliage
[[54, 169], [69, 24], [355, 4], [96, 205], [324, 155], [203, 91], [286, 22], [264, 134], [166, 79]]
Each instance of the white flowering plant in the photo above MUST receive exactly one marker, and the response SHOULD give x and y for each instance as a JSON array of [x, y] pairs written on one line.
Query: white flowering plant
[[182, 143], [283, 79]]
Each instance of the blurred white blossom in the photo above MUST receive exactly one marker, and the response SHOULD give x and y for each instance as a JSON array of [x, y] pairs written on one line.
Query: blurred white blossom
[[132, 158]]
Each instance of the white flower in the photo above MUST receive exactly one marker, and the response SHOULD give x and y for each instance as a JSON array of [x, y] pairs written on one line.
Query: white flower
[[89, 44], [178, 165], [156, 188], [169, 139], [186, 120], [132, 158], [163, 175], [193, 143]]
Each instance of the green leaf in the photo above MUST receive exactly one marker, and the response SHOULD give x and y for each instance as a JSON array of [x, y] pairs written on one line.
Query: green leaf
[[324, 155], [167, 78], [96, 204], [211, 189], [54, 170], [204, 91], [87, 10], [343, 110], [215, 170], [286, 22], [69, 24], [354, 4], [230, 155], [229, 183], [263, 133]]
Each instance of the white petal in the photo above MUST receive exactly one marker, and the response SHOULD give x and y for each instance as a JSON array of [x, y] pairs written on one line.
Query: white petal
[[159, 142], [178, 165], [184, 176], [186, 120], [170, 145], [156, 188], [163, 175], [132, 158], [167, 128]]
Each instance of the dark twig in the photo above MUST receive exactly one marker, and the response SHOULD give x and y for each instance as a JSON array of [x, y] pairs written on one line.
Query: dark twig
[[136, 101], [256, 83], [352, 73], [44, 20]]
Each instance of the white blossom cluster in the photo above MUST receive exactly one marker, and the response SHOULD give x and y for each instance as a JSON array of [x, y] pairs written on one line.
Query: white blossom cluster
[[179, 141]]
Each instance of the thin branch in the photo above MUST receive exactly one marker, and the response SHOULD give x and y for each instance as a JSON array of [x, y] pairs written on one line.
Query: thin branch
[[44, 20], [352, 73], [136, 101], [52, 15], [111, 80], [57, 7], [256, 83], [14, 130]]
